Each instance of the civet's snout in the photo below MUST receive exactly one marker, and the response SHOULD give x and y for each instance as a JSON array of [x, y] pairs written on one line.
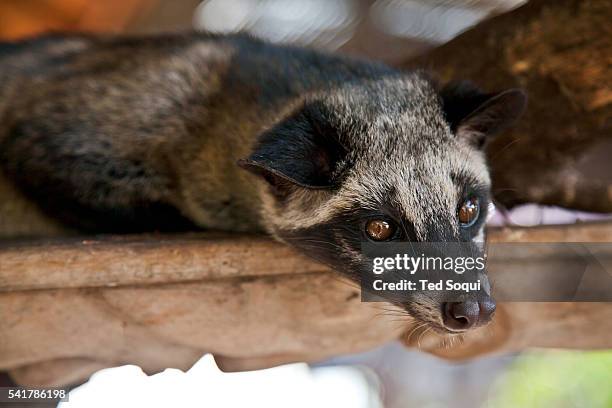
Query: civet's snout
[[461, 316]]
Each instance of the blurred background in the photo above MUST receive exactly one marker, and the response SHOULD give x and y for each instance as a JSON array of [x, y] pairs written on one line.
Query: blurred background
[[391, 376], [390, 30]]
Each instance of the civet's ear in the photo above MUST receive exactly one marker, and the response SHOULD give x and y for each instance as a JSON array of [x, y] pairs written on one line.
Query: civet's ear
[[475, 115], [302, 150]]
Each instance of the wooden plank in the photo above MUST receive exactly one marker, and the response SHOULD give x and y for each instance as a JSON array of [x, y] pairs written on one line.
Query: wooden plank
[[579, 232], [45, 335], [521, 325], [140, 260], [147, 260], [251, 302]]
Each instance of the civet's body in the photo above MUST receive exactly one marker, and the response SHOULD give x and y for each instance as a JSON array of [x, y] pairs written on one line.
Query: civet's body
[[188, 131]]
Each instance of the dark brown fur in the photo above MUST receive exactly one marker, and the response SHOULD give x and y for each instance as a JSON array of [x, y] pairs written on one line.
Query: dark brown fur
[[123, 134]]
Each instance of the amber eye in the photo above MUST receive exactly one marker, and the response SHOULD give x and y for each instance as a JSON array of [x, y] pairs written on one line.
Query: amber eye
[[380, 230], [468, 212]]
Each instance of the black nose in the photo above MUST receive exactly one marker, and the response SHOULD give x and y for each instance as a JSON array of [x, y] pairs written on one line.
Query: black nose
[[465, 315]]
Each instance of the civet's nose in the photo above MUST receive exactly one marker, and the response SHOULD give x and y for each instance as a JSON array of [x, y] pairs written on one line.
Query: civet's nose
[[459, 316]]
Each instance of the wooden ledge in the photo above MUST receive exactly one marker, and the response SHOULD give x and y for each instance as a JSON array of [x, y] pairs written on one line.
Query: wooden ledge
[[70, 307], [111, 261], [144, 260]]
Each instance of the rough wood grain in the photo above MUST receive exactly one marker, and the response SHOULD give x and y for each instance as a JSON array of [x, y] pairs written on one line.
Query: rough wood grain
[[522, 325], [143, 260], [251, 302], [147, 260]]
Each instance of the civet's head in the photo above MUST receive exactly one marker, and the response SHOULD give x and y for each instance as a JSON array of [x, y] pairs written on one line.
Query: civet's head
[[388, 160]]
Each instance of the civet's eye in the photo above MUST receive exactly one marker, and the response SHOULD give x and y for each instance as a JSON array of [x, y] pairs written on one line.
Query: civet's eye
[[380, 230], [468, 212]]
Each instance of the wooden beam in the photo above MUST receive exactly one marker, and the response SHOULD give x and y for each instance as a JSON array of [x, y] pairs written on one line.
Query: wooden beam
[[146, 260], [163, 301]]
